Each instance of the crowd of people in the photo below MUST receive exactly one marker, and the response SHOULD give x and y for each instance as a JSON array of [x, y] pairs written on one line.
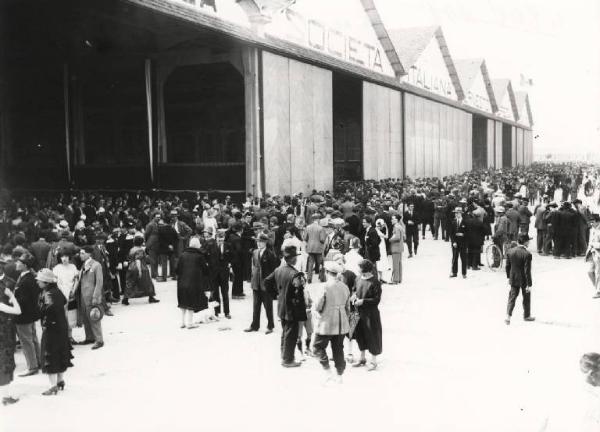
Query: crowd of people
[[66, 258]]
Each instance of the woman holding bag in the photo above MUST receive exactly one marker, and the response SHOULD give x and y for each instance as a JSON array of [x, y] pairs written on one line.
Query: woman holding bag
[[368, 333]]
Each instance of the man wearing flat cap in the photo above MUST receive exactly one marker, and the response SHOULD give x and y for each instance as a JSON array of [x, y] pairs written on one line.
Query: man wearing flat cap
[[518, 272], [331, 320], [264, 262], [291, 308]]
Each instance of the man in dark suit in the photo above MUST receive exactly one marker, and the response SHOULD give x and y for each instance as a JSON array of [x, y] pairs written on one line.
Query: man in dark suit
[[218, 258], [234, 241], [411, 221], [281, 281], [183, 235], [40, 250], [264, 262], [457, 231], [152, 243], [518, 272]]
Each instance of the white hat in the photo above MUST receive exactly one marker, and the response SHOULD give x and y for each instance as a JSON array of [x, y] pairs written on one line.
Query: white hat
[[46, 275], [63, 224], [333, 267]]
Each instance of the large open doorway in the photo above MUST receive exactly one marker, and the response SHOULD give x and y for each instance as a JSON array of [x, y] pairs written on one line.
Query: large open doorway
[[480, 136], [109, 95], [347, 128], [205, 127], [506, 146]]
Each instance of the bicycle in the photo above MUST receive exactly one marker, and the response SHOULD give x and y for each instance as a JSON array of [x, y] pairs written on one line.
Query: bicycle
[[494, 256]]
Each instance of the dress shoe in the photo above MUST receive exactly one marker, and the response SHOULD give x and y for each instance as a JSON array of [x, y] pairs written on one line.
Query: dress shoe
[[452, 275], [372, 366], [269, 331], [125, 302], [9, 400], [464, 276], [359, 363], [507, 321], [85, 342], [291, 364], [30, 372], [161, 279], [227, 316], [51, 391], [476, 268], [60, 385], [597, 295], [410, 255], [153, 300], [98, 345], [108, 313], [529, 318], [250, 329]]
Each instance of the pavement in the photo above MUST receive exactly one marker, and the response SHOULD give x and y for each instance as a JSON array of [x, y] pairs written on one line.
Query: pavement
[[449, 363]]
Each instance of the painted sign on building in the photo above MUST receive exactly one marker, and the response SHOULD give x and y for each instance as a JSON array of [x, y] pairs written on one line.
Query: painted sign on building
[[431, 73], [477, 96], [337, 28]]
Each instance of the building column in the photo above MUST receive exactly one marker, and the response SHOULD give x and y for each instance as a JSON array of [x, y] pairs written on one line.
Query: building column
[[254, 174]]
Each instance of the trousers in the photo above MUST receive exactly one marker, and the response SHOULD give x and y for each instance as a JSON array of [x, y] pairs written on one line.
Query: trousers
[[397, 268], [221, 293], [93, 329], [29, 342], [237, 289], [459, 251], [289, 336], [261, 298], [153, 255], [541, 236], [315, 261], [512, 298], [412, 240], [337, 349]]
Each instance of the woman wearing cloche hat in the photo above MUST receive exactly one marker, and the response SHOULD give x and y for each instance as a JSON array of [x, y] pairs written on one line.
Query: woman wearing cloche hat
[[56, 348]]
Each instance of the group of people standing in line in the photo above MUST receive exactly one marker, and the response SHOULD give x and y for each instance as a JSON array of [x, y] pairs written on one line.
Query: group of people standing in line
[[67, 259]]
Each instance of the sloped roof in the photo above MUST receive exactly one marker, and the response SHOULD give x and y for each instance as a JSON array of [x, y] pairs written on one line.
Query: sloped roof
[[501, 86], [410, 43], [467, 70], [383, 36], [522, 99]]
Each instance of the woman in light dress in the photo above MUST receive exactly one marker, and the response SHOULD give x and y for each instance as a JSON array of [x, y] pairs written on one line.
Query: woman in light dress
[[67, 276], [383, 264]]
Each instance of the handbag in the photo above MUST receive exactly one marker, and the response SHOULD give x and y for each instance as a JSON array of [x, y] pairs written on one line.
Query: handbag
[[353, 320]]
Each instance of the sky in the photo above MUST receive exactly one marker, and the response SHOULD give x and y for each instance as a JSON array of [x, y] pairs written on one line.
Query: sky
[[554, 43]]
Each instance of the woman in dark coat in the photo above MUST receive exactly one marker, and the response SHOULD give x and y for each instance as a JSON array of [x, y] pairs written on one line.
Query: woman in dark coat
[[368, 333], [138, 280], [56, 347], [9, 306], [370, 241], [192, 281]]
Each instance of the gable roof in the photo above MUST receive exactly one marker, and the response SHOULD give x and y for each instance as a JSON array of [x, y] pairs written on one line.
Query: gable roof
[[501, 86], [383, 36], [467, 70], [522, 98], [409, 44]]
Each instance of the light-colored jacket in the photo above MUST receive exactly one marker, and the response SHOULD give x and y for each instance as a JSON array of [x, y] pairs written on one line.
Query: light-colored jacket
[[397, 239], [315, 238], [91, 282], [332, 310]]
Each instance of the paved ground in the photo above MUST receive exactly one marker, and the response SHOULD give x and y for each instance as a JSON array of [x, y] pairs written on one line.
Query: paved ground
[[449, 364]]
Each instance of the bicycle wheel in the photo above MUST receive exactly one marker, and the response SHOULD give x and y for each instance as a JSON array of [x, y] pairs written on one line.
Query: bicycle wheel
[[494, 258]]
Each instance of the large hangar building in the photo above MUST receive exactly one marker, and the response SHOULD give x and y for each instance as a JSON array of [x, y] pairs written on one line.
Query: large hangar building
[[239, 96]]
